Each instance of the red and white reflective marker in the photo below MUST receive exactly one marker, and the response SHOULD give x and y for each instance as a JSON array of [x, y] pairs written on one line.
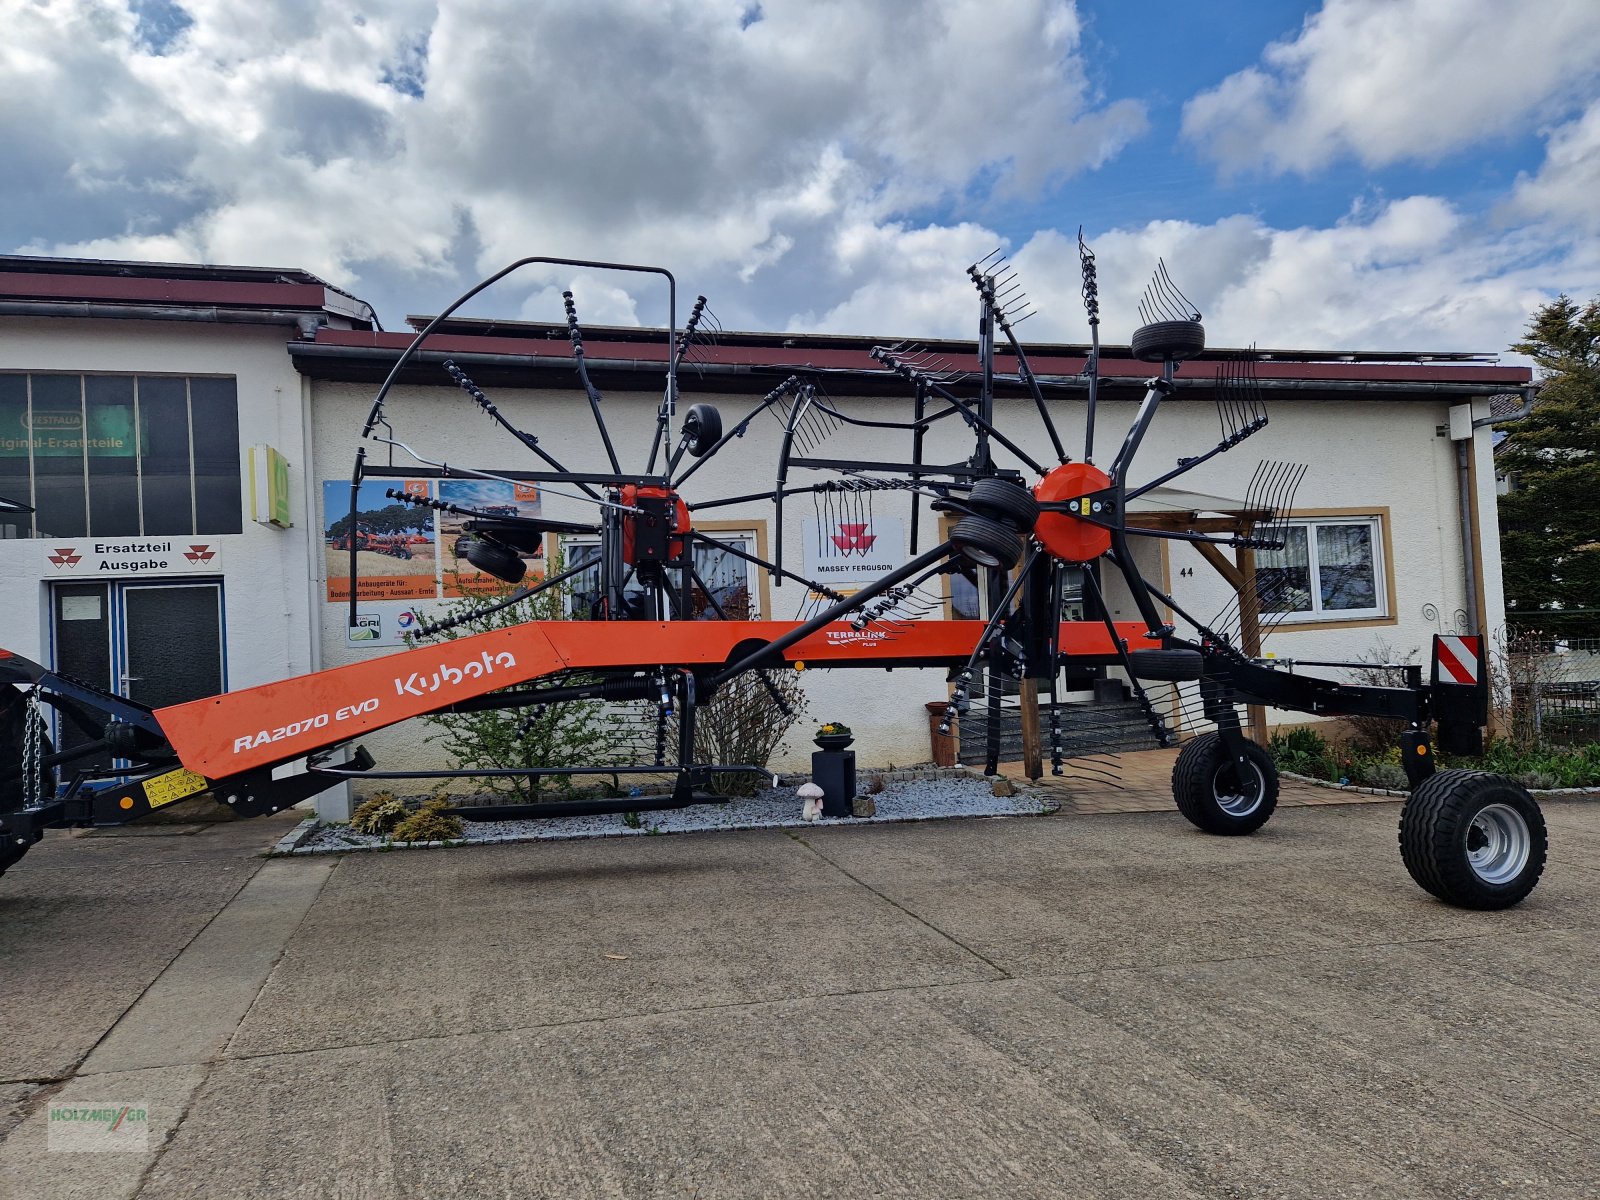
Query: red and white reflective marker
[[1458, 658]]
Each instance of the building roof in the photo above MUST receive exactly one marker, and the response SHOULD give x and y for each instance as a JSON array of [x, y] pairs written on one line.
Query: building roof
[[38, 286], [531, 354]]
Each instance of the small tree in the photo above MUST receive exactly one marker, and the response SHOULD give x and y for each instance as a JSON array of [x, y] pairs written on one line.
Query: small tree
[[1550, 519], [744, 723], [569, 734]]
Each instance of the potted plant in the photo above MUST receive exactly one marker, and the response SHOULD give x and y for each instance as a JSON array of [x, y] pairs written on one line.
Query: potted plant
[[835, 735]]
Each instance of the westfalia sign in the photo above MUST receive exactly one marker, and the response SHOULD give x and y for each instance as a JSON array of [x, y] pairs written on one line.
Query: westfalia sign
[[66, 558]]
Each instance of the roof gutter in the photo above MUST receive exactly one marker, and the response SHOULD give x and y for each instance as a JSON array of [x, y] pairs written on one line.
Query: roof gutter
[[307, 322], [310, 350]]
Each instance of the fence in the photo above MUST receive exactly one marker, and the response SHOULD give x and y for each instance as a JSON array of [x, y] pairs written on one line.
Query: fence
[[1548, 688]]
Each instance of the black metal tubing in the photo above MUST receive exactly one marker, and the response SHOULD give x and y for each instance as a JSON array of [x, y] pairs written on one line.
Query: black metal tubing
[[823, 588], [831, 614], [918, 434], [576, 336], [957, 470], [743, 426], [580, 808], [530, 772], [516, 473], [1156, 391]]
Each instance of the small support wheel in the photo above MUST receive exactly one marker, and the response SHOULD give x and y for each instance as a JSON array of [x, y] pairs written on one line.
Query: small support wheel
[[492, 558], [1006, 502], [1222, 796], [1176, 340], [1473, 839], [702, 428], [986, 542]]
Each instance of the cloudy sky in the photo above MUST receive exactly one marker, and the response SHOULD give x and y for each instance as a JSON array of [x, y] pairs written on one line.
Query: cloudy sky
[[1383, 174]]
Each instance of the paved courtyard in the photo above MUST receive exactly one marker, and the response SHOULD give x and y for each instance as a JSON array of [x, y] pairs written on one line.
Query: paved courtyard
[[1067, 1005]]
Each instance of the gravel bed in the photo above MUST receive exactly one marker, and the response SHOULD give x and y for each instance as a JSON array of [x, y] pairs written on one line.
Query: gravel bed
[[919, 800]]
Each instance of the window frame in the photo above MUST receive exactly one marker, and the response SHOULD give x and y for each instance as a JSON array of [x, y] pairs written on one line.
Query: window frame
[[1385, 613], [187, 379], [755, 531]]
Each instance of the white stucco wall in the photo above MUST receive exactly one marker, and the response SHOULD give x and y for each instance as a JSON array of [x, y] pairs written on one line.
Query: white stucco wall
[[1377, 457], [264, 570]]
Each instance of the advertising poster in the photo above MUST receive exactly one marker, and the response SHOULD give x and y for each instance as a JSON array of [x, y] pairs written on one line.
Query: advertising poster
[[848, 554], [387, 622], [491, 498], [396, 544]]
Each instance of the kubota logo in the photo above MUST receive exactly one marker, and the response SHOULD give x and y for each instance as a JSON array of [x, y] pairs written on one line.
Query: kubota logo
[[854, 538], [199, 554], [66, 556], [445, 676]]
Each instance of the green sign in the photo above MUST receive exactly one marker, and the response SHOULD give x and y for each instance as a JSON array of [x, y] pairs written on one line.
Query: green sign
[[59, 432], [269, 487]]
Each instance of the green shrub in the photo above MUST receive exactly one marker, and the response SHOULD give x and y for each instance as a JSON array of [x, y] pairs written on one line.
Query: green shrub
[[379, 814], [1305, 752], [1375, 773], [429, 823], [570, 734]]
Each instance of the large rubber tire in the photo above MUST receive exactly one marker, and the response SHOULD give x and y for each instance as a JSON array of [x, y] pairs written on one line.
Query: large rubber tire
[[987, 542], [702, 426], [493, 559], [1210, 794], [1172, 666], [1006, 502], [1176, 340], [1473, 839]]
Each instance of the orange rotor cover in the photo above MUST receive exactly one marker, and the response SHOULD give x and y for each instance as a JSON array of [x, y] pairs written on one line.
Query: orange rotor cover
[[1064, 535], [632, 494]]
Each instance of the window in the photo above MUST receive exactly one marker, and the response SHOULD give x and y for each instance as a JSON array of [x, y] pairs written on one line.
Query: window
[[965, 603], [119, 455], [725, 580], [1329, 568]]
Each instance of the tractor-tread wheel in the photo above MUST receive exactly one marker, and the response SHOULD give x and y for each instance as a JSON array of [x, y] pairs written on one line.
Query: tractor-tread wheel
[[987, 542], [1209, 793], [1473, 839], [1006, 502], [1172, 666], [492, 558], [1162, 340], [702, 426]]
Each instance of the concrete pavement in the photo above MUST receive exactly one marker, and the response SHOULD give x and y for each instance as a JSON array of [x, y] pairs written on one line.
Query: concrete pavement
[[1108, 1005]]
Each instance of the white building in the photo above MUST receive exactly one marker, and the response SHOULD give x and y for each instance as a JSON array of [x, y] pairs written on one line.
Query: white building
[[134, 397]]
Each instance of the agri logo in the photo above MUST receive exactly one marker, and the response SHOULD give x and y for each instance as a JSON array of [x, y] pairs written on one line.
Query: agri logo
[[853, 538], [66, 556], [199, 554]]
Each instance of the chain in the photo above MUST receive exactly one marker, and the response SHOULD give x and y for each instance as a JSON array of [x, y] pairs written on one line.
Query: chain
[[30, 751]]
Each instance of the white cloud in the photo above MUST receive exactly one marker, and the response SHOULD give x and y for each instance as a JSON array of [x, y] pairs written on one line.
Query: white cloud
[[384, 138], [1411, 274], [1567, 184], [1383, 81]]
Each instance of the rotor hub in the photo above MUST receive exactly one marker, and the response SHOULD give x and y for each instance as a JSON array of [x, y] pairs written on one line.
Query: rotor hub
[[1068, 536]]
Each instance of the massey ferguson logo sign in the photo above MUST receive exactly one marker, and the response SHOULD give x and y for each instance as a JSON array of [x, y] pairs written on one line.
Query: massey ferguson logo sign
[[132, 556], [853, 538], [850, 554]]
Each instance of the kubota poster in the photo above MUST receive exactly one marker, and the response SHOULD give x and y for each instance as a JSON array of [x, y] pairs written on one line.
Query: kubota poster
[[397, 544]]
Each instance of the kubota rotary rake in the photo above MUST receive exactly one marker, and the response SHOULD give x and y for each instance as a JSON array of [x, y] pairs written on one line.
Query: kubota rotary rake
[[1019, 526]]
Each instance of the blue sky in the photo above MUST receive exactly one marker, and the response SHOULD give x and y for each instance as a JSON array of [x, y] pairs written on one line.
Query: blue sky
[[1355, 174]]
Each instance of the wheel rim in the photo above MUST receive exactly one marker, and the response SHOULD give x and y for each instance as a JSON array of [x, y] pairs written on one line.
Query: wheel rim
[[1238, 792], [1498, 844]]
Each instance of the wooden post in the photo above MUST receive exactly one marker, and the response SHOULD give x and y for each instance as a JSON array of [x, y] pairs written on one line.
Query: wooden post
[[1250, 631], [1032, 756]]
